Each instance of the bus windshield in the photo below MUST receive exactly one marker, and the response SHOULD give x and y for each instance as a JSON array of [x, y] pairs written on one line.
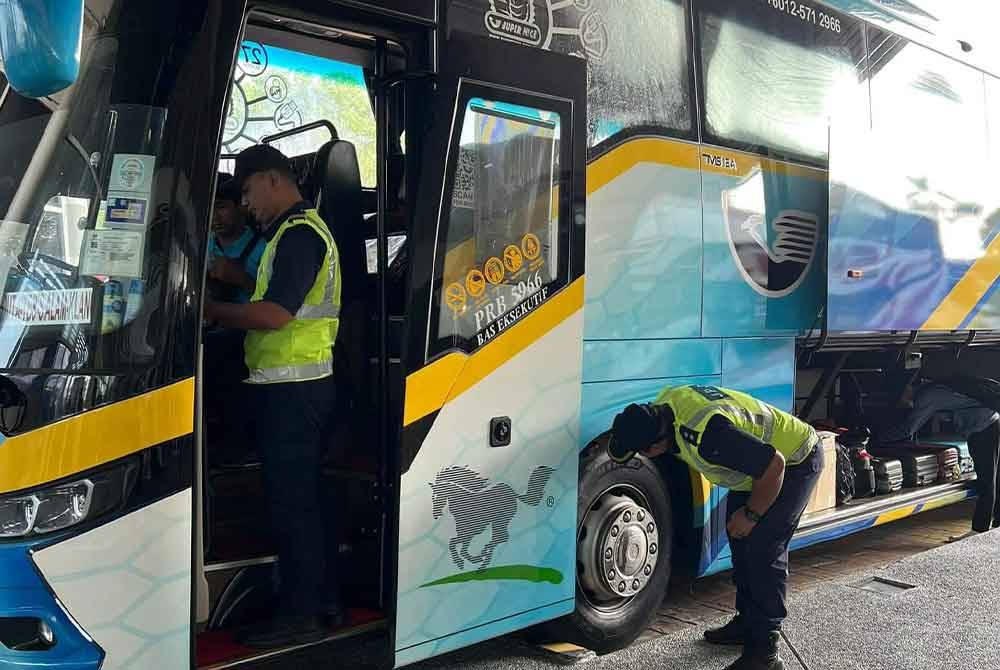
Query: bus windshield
[[81, 244]]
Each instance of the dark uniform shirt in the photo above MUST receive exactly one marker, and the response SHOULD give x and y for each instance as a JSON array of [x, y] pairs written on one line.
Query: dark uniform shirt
[[722, 443], [297, 261]]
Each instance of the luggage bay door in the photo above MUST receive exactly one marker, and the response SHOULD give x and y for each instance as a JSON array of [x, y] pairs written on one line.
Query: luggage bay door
[[490, 436]]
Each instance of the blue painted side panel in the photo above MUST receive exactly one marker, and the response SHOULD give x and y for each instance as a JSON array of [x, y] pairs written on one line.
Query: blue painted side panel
[[615, 360], [644, 255], [751, 289], [764, 368], [887, 267]]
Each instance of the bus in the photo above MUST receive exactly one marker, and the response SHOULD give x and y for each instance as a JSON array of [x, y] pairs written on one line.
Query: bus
[[546, 210]]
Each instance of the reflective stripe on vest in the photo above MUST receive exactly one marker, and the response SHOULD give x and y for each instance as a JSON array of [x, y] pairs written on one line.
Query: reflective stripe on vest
[[791, 437], [303, 349]]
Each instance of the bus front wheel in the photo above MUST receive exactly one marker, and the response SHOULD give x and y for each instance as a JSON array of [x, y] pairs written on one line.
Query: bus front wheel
[[624, 532]]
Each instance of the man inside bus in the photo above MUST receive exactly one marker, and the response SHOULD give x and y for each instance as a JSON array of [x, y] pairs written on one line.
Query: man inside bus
[[970, 418], [769, 461], [291, 323], [235, 251]]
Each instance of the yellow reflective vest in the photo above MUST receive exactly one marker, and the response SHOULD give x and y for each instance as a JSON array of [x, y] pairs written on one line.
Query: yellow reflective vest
[[303, 348], [694, 407]]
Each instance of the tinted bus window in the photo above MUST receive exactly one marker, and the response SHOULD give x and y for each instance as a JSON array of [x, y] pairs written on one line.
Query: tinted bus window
[[638, 67], [501, 255], [774, 72], [637, 51]]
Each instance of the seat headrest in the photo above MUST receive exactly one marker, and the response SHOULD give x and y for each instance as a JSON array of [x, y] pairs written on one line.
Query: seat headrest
[[336, 173], [336, 181]]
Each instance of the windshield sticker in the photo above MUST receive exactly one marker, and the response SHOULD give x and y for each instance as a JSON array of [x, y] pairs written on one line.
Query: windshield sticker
[[50, 308], [129, 189], [112, 253], [132, 173], [125, 212]]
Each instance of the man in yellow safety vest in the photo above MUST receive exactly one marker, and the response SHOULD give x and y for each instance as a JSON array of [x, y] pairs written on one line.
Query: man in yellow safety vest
[[769, 462], [291, 322]]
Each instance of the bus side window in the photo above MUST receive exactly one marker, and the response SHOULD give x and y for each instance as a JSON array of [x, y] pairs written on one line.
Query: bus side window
[[501, 254], [771, 81]]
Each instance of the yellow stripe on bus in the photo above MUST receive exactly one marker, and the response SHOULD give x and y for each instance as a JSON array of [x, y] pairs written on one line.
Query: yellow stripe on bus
[[967, 293], [895, 515], [626, 156], [432, 387], [97, 436]]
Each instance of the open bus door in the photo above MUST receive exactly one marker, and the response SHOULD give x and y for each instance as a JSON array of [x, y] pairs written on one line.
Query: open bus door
[[490, 443]]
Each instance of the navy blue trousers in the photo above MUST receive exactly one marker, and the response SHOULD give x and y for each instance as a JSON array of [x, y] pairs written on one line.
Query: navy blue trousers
[[760, 560], [290, 421]]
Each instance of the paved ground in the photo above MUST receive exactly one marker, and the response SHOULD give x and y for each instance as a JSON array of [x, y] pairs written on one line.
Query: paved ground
[[943, 622]]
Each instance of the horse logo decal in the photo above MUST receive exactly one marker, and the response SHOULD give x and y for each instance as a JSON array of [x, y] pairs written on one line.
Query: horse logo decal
[[476, 505]]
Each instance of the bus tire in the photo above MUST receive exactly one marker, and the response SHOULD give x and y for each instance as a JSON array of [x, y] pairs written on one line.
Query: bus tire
[[606, 490]]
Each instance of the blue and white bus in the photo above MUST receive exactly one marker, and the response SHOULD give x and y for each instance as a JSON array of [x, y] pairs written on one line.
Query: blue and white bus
[[546, 210]]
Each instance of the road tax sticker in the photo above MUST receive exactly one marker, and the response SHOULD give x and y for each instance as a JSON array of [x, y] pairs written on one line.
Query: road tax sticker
[[110, 253]]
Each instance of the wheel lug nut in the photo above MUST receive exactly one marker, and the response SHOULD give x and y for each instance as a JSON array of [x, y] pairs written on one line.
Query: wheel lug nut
[[622, 587], [608, 555], [611, 574], [648, 571], [652, 548], [640, 515], [628, 516], [635, 585], [614, 531], [650, 528]]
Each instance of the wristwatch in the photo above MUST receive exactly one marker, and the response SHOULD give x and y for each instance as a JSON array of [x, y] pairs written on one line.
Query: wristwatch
[[751, 515]]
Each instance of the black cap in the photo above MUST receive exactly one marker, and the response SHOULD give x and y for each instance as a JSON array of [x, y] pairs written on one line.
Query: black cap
[[260, 158], [226, 188], [636, 429]]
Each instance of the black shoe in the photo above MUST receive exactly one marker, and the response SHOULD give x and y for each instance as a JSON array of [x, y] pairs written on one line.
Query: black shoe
[[284, 631], [759, 655], [733, 633]]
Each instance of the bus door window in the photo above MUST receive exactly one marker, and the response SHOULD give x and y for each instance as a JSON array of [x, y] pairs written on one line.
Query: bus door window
[[502, 256]]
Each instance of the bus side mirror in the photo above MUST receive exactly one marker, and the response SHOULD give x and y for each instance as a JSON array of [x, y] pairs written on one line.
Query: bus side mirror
[[40, 44]]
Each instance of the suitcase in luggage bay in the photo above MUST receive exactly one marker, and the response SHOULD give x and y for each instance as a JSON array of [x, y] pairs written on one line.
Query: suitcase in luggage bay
[[965, 463], [949, 466], [920, 468], [888, 475]]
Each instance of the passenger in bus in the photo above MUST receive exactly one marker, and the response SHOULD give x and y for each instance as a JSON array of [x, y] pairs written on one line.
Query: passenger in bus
[[972, 419], [769, 461], [235, 248], [235, 251], [291, 322]]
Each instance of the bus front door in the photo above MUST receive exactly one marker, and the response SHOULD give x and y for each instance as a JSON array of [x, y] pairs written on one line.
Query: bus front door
[[490, 439]]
